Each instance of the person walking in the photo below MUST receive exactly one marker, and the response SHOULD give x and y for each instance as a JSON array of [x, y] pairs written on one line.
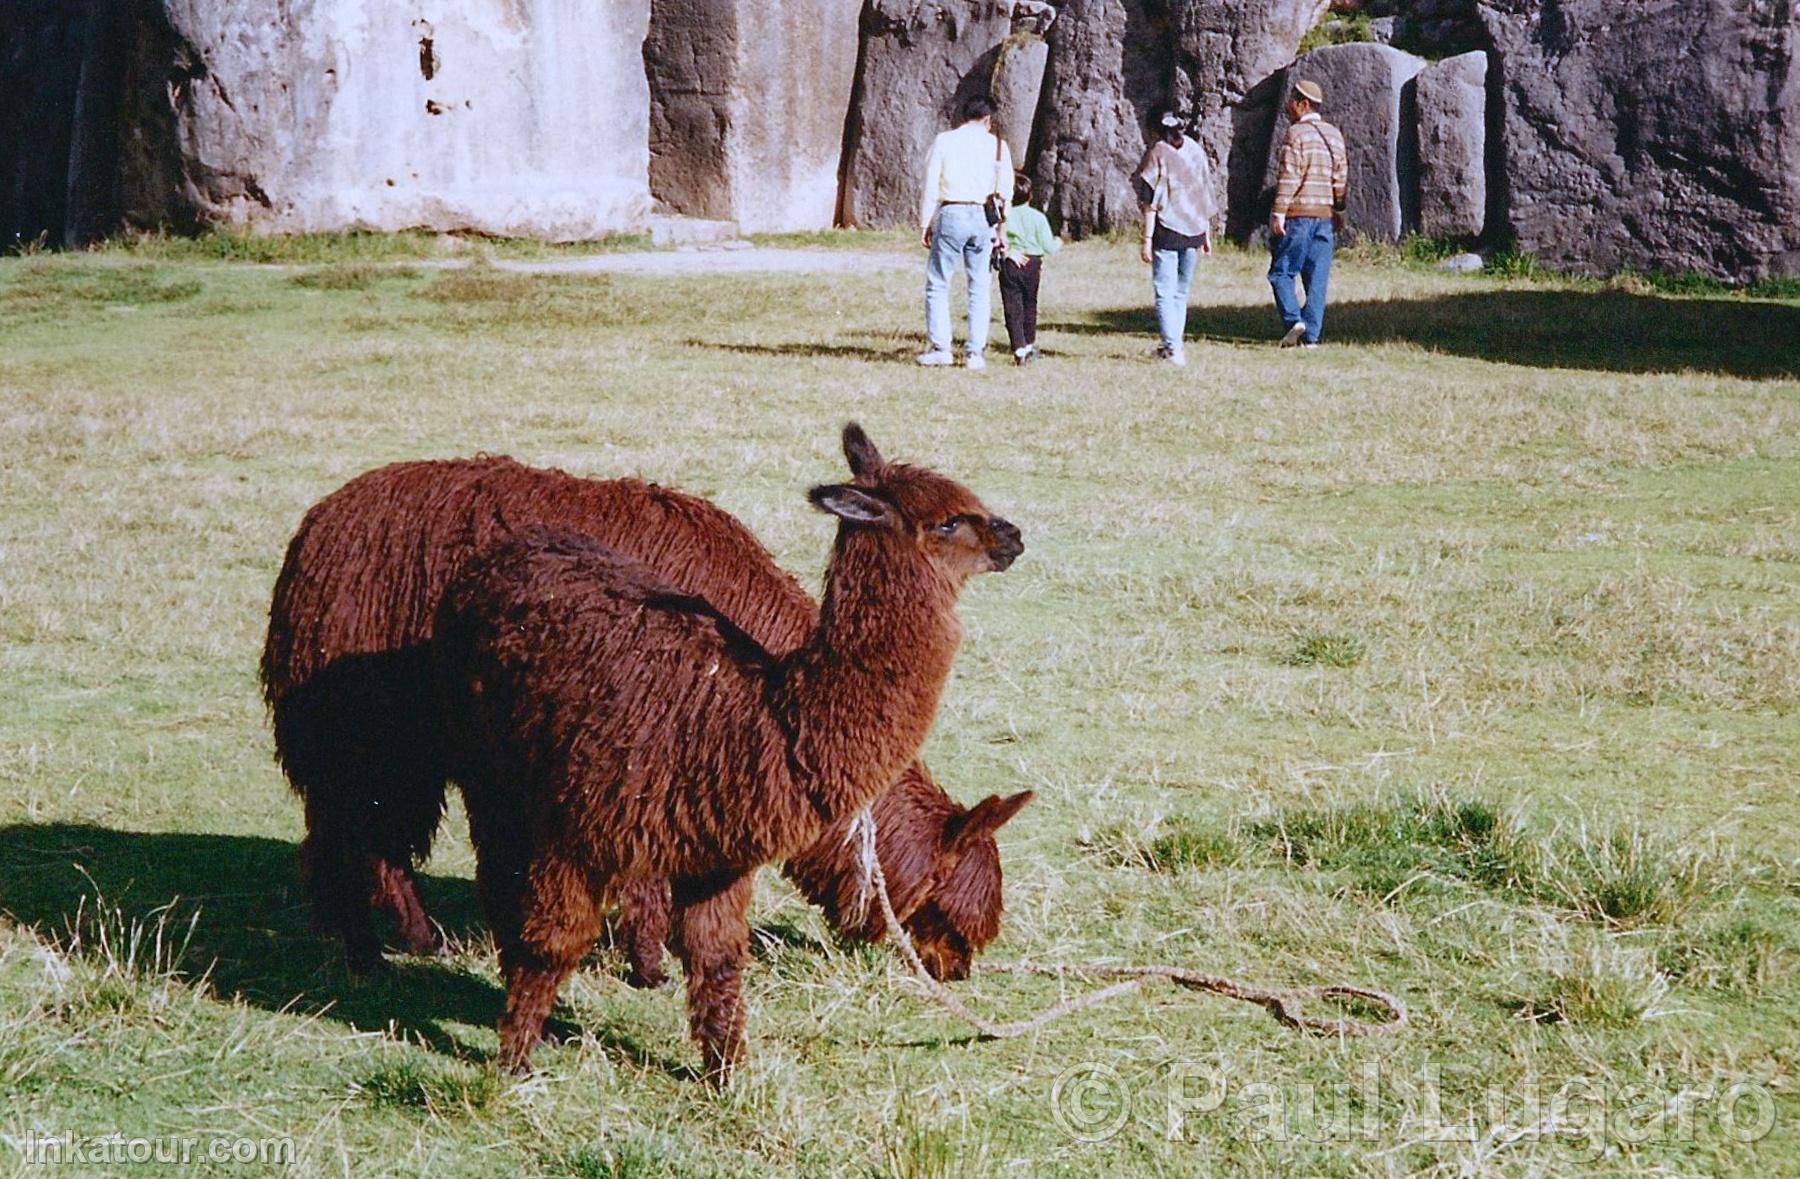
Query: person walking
[[1309, 209], [1028, 241], [1174, 185], [968, 166]]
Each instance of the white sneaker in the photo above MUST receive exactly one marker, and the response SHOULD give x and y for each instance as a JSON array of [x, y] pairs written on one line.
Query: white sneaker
[[1292, 339], [1178, 358], [936, 358], [974, 362]]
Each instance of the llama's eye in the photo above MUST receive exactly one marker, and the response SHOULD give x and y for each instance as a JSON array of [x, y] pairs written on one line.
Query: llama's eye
[[947, 527]]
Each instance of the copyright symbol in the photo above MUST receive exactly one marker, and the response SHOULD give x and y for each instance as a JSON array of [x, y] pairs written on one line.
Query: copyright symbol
[[1089, 1102]]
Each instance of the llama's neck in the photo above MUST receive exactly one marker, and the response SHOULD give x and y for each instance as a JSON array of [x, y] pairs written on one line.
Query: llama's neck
[[860, 697]]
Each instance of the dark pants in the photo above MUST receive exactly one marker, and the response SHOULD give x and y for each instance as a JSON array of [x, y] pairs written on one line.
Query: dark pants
[[1019, 295]]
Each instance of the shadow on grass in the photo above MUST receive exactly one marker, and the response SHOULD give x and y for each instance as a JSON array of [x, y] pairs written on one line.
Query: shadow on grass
[[868, 354], [252, 937], [1608, 331]]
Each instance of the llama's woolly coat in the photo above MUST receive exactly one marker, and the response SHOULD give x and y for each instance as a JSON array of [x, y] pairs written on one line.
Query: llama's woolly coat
[[607, 727], [343, 670]]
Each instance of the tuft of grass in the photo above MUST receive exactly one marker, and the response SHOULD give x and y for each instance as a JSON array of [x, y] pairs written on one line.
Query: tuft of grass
[[441, 1088], [1316, 649], [350, 276], [1171, 844], [1601, 984], [1622, 877], [49, 284], [1338, 29], [1746, 955]]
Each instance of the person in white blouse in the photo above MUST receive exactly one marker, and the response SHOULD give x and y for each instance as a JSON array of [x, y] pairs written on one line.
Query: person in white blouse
[[968, 165]]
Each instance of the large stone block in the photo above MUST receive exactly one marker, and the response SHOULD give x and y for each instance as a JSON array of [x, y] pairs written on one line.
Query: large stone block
[[1369, 97], [1451, 101], [1229, 58], [1018, 82], [1657, 135], [747, 103], [920, 58], [514, 117]]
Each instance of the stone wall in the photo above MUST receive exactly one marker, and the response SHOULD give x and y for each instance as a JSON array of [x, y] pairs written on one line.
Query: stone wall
[[747, 104], [1658, 135]]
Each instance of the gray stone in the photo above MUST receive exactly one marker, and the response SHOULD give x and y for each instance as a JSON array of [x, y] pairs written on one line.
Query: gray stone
[[1018, 80], [1368, 97], [496, 118], [1451, 101], [1659, 135], [1462, 263], [920, 58], [747, 103], [1115, 63], [1383, 29]]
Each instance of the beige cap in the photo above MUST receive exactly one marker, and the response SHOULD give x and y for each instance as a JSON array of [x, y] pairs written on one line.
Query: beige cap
[[1311, 91]]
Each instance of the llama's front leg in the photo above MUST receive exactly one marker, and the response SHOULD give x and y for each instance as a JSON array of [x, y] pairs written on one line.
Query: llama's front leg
[[644, 928], [712, 937], [557, 923]]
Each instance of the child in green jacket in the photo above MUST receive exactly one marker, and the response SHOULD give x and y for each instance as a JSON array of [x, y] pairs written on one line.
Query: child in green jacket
[[1028, 239]]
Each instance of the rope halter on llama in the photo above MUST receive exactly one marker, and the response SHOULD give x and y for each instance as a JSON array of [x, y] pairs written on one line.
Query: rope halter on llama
[[1285, 1006]]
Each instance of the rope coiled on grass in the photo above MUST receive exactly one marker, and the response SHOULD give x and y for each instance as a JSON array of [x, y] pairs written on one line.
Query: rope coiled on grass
[[1285, 1006]]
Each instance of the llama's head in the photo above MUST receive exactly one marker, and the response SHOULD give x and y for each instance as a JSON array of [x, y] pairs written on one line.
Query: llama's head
[[960, 913], [936, 517]]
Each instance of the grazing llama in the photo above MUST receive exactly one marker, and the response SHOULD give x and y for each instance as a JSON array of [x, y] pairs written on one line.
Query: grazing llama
[[344, 673], [607, 728]]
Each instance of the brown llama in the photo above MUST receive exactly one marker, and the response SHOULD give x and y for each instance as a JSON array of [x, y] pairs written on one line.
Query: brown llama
[[343, 670], [608, 729]]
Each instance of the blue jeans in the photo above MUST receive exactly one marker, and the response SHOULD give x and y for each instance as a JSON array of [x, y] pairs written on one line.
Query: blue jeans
[[1171, 274], [958, 232], [1304, 250]]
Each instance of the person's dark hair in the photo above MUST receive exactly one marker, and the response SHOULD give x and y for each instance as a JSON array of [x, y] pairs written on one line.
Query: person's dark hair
[[976, 106], [1021, 189]]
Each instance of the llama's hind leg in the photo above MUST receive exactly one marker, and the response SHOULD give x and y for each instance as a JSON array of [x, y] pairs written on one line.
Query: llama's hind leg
[[712, 936], [398, 896], [644, 928], [558, 920], [340, 880]]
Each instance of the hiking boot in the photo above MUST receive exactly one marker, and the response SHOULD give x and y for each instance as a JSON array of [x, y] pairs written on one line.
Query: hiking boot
[[1294, 333], [936, 358]]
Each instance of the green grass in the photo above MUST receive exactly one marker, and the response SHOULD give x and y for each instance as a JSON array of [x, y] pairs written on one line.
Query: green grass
[[1459, 658]]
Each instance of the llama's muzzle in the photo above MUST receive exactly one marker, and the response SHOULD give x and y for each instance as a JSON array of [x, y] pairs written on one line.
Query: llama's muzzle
[[1008, 543]]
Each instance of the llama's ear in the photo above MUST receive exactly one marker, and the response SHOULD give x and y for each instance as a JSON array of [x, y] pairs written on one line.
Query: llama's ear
[[859, 452], [851, 503], [987, 817]]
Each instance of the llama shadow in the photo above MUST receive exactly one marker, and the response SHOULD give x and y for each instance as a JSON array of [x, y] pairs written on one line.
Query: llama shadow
[[252, 939], [1604, 331]]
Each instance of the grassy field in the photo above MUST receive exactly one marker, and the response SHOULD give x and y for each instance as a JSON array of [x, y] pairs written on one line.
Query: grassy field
[[1460, 658]]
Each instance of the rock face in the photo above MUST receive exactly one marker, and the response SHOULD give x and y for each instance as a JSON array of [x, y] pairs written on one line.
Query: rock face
[[920, 58], [747, 104], [1110, 70], [515, 117], [1663, 134], [1451, 101], [1369, 97], [1229, 55], [1115, 63]]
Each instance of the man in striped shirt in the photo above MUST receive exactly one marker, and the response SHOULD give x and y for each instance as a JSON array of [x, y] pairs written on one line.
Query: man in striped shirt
[[1309, 207]]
